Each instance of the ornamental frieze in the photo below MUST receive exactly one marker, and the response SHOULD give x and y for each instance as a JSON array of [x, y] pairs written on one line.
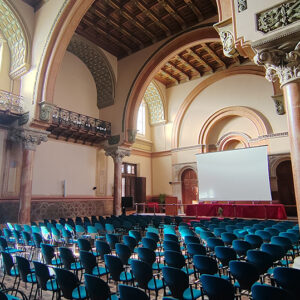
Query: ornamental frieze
[[278, 16]]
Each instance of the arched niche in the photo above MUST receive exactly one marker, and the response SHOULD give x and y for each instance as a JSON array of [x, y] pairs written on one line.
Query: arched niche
[[261, 125]]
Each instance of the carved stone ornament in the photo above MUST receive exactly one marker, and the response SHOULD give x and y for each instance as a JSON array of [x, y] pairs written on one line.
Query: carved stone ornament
[[114, 139], [29, 137], [282, 62], [279, 16], [46, 110], [228, 44], [242, 5], [131, 135], [279, 104], [117, 153]]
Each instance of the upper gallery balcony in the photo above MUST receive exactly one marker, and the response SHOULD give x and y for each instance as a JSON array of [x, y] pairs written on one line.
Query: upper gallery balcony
[[73, 126], [12, 109]]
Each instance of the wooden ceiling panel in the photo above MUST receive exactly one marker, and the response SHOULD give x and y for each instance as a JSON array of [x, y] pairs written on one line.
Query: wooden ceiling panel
[[127, 26]]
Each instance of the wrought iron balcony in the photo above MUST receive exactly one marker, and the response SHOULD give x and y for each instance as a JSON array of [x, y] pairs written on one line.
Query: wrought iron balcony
[[12, 109], [71, 125]]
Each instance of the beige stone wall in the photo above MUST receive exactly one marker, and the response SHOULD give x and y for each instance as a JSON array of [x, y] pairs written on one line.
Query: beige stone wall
[[75, 88], [5, 81], [56, 161]]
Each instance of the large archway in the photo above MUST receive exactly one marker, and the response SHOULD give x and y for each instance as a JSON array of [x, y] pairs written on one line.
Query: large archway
[[154, 63]]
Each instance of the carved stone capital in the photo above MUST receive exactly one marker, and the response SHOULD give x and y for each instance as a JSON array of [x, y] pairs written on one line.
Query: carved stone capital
[[46, 110], [117, 153], [282, 62], [131, 135], [29, 137]]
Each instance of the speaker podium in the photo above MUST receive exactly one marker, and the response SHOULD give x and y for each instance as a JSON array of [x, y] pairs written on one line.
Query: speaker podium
[[171, 209]]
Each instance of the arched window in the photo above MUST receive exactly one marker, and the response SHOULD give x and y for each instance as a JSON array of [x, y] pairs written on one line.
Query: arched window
[[141, 119]]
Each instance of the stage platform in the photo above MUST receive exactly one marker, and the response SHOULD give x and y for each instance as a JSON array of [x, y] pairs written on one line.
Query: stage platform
[[258, 211]]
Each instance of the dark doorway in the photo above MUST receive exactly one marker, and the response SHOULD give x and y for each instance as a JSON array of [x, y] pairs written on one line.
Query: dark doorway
[[189, 185], [286, 187]]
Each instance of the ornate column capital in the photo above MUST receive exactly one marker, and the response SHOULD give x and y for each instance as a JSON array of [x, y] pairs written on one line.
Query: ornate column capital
[[29, 137], [117, 153], [46, 111], [281, 62]]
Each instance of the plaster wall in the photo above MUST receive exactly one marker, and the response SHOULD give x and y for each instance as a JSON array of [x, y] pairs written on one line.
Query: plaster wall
[[249, 90], [5, 82], [75, 88], [26, 12], [56, 161], [44, 19], [161, 175]]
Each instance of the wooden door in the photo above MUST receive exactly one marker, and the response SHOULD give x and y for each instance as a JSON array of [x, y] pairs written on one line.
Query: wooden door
[[286, 187], [189, 184], [140, 192]]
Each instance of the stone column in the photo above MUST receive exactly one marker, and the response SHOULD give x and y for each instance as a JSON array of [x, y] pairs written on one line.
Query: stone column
[[283, 62], [30, 138], [117, 153]]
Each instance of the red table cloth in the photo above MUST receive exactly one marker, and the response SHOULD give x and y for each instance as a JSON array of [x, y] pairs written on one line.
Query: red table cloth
[[260, 211]]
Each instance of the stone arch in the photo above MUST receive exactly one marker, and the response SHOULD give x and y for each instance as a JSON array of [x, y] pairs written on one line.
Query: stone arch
[[261, 124], [156, 108], [250, 69], [233, 136], [274, 163], [154, 63], [58, 40], [17, 37], [100, 68]]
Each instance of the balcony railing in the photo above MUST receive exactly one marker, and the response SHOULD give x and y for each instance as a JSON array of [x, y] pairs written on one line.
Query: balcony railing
[[66, 118], [11, 103], [69, 124]]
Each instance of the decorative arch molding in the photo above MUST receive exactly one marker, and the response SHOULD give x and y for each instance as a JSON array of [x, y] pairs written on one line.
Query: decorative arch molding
[[153, 98], [155, 63], [59, 37], [275, 160], [99, 66], [249, 69], [261, 124], [233, 136], [17, 37]]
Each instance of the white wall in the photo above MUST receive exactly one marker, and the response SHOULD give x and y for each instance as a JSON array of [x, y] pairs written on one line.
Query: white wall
[[75, 88], [56, 161]]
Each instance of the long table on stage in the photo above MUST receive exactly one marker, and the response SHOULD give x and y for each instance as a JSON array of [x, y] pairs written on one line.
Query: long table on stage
[[259, 211]]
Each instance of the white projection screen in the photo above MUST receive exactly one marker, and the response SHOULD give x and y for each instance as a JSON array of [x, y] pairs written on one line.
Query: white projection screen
[[234, 175]]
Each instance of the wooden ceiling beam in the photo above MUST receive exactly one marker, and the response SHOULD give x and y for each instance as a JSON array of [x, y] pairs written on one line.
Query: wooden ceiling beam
[[169, 75], [214, 3], [108, 36], [195, 10], [199, 59], [121, 28], [151, 16], [186, 63], [172, 12], [174, 66], [214, 55], [131, 19]]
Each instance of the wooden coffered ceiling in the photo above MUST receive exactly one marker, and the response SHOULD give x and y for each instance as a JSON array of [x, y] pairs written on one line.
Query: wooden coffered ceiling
[[194, 62], [123, 27]]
